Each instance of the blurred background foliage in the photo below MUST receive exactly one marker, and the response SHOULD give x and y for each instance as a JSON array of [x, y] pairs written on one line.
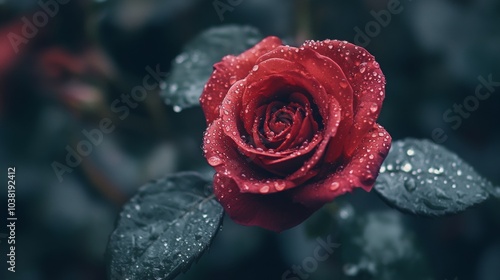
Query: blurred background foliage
[[65, 78]]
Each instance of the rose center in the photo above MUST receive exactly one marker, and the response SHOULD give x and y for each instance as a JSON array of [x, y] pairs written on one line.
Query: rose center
[[286, 122]]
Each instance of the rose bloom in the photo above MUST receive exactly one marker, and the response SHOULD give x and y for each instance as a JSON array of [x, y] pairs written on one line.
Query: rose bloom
[[290, 129]]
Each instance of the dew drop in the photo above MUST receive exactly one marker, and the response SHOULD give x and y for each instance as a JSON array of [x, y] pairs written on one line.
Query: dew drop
[[334, 186], [406, 167], [177, 109], [374, 108], [410, 185], [343, 84], [255, 67], [173, 88], [410, 152], [439, 171], [264, 189], [279, 186], [214, 161]]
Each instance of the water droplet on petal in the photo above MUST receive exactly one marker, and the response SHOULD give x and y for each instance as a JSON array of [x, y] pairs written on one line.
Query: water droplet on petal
[[334, 186], [343, 84], [255, 67], [374, 108], [279, 186], [264, 189], [214, 161]]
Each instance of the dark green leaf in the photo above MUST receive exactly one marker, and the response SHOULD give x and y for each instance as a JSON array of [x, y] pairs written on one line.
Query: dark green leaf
[[166, 226], [378, 245], [424, 178], [192, 68]]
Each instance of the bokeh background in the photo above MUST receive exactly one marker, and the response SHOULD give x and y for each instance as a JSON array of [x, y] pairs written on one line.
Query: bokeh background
[[65, 78]]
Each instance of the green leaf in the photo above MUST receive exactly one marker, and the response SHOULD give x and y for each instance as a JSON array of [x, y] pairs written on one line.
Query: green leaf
[[166, 226], [426, 179], [192, 68]]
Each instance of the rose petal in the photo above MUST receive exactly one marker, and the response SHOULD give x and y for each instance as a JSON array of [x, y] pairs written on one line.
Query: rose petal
[[221, 152], [333, 122], [325, 71], [276, 212], [229, 70], [360, 171], [366, 79]]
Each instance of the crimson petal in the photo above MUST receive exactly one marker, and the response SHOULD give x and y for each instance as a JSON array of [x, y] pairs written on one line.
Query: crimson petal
[[227, 72], [360, 171], [276, 212], [366, 79]]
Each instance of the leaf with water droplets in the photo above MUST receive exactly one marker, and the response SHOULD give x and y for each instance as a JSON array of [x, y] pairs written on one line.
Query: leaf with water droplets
[[164, 228], [192, 68], [424, 178]]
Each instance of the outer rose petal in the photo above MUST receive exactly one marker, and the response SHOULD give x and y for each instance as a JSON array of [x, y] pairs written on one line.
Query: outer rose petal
[[366, 79], [275, 212], [227, 72], [360, 171]]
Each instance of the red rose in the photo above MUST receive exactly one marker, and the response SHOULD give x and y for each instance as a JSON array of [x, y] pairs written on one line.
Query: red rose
[[292, 128]]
